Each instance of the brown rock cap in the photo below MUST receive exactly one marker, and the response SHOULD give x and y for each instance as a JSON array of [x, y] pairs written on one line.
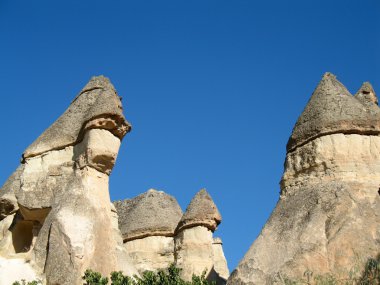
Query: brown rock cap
[[201, 211], [96, 106], [367, 95], [332, 109], [153, 213]]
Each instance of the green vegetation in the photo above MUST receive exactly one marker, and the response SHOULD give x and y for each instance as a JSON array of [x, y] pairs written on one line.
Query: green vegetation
[[170, 276], [23, 282]]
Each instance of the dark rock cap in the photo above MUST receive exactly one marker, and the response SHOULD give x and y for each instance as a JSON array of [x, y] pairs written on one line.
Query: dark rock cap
[[96, 106], [201, 211], [332, 109], [153, 213], [367, 95]]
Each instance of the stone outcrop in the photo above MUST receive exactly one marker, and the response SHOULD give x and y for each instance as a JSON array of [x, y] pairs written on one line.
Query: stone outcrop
[[327, 219], [153, 213], [195, 250], [56, 218], [201, 212], [147, 223], [156, 234], [332, 109], [220, 269]]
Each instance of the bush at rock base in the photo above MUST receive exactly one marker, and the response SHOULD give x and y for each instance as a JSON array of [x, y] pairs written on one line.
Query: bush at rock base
[[169, 276]]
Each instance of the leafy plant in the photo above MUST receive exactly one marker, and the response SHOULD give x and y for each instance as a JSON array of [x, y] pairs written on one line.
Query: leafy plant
[[371, 274], [169, 276], [94, 278], [24, 282]]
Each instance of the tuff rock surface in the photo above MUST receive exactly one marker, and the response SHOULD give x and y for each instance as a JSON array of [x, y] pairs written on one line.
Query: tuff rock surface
[[57, 220], [153, 213], [195, 251], [56, 217], [154, 234], [201, 211], [327, 219], [147, 224]]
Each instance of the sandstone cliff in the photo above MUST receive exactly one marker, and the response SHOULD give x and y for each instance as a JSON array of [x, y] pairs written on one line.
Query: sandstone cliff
[[327, 219]]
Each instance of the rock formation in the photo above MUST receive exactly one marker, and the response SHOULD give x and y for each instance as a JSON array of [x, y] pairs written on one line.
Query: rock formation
[[56, 218], [147, 223], [327, 219], [194, 240], [156, 234]]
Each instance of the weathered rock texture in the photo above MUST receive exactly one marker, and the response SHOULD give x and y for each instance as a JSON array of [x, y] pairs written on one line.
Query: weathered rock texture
[[201, 212], [327, 219], [156, 234], [147, 223], [56, 218], [153, 213], [195, 251]]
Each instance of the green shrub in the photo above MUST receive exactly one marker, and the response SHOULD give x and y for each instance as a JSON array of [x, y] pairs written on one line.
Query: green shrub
[[23, 282], [94, 278], [169, 276]]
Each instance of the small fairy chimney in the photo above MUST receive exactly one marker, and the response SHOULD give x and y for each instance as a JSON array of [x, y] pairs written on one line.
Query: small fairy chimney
[[194, 243], [147, 223]]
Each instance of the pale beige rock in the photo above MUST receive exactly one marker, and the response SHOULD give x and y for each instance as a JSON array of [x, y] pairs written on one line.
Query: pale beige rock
[[326, 228], [151, 253], [337, 157], [99, 150], [16, 269], [219, 261], [80, 228], [194, 251], [327, 220], [55, 210], [8, 200]]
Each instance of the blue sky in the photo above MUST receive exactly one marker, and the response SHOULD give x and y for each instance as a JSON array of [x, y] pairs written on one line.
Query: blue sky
[[212, 88]]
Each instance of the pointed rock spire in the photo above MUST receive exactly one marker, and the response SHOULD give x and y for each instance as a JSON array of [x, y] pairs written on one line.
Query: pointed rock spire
[[153, 213], [96, 106], [332, 109], [367, 95], [201, 211]]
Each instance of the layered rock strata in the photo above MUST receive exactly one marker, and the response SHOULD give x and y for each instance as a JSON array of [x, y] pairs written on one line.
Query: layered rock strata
[[56, 217], [327, 220]]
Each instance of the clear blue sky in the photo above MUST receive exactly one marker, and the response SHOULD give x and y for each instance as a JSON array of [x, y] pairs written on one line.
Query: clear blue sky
[[212, 88]]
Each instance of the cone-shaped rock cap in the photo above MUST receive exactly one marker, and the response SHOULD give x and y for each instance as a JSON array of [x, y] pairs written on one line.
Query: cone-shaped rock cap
[[153, 213], [367, 95], [96, 106], [201, 211], [332, 109]]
